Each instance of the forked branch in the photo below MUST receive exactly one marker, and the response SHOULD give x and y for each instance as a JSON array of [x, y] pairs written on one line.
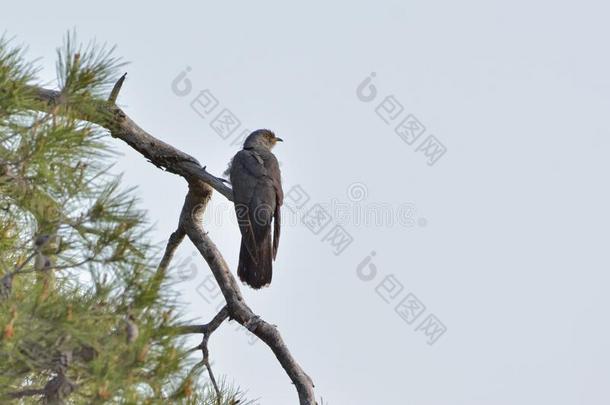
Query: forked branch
[[201, 184]]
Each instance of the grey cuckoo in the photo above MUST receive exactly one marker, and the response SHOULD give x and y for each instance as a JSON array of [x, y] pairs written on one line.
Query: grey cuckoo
[[257, 194]]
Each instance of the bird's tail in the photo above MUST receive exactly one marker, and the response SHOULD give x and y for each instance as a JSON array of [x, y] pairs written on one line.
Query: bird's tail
[[256, 273]]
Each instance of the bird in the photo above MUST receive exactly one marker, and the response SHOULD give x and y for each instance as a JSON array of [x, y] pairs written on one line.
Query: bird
[[255, 177]]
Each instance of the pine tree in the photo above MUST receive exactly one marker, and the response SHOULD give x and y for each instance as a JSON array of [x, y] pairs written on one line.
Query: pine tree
[[85, 313]]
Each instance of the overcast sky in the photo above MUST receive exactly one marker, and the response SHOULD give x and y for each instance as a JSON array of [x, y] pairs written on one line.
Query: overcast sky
[[464, 143]]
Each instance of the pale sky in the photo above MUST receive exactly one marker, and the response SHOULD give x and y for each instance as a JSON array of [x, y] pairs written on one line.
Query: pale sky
[[503, 239]]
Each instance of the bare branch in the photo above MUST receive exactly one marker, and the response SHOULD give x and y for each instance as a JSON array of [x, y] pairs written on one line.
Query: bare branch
[[207, 332], [174, 241], [156, 151], [190, 220], [201, 184], [26, 393], [206, 329], [116, 89]]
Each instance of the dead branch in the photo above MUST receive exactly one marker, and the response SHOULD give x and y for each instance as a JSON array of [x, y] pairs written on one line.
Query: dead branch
[[203, 346], [201, 184], [26, 393], [207, 328]]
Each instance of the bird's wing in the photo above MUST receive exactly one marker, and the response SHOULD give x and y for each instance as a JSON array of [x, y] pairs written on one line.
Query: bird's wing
[[251, 195], [277, 224], [274, 175]]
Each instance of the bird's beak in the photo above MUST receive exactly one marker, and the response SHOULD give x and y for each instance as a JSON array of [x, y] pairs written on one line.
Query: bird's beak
[[278, 139]]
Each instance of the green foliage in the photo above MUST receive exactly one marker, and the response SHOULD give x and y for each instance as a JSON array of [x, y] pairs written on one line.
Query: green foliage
[[83, 316]]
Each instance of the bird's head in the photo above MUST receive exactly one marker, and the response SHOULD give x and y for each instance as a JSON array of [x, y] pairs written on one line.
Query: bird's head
[[261, 138]]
